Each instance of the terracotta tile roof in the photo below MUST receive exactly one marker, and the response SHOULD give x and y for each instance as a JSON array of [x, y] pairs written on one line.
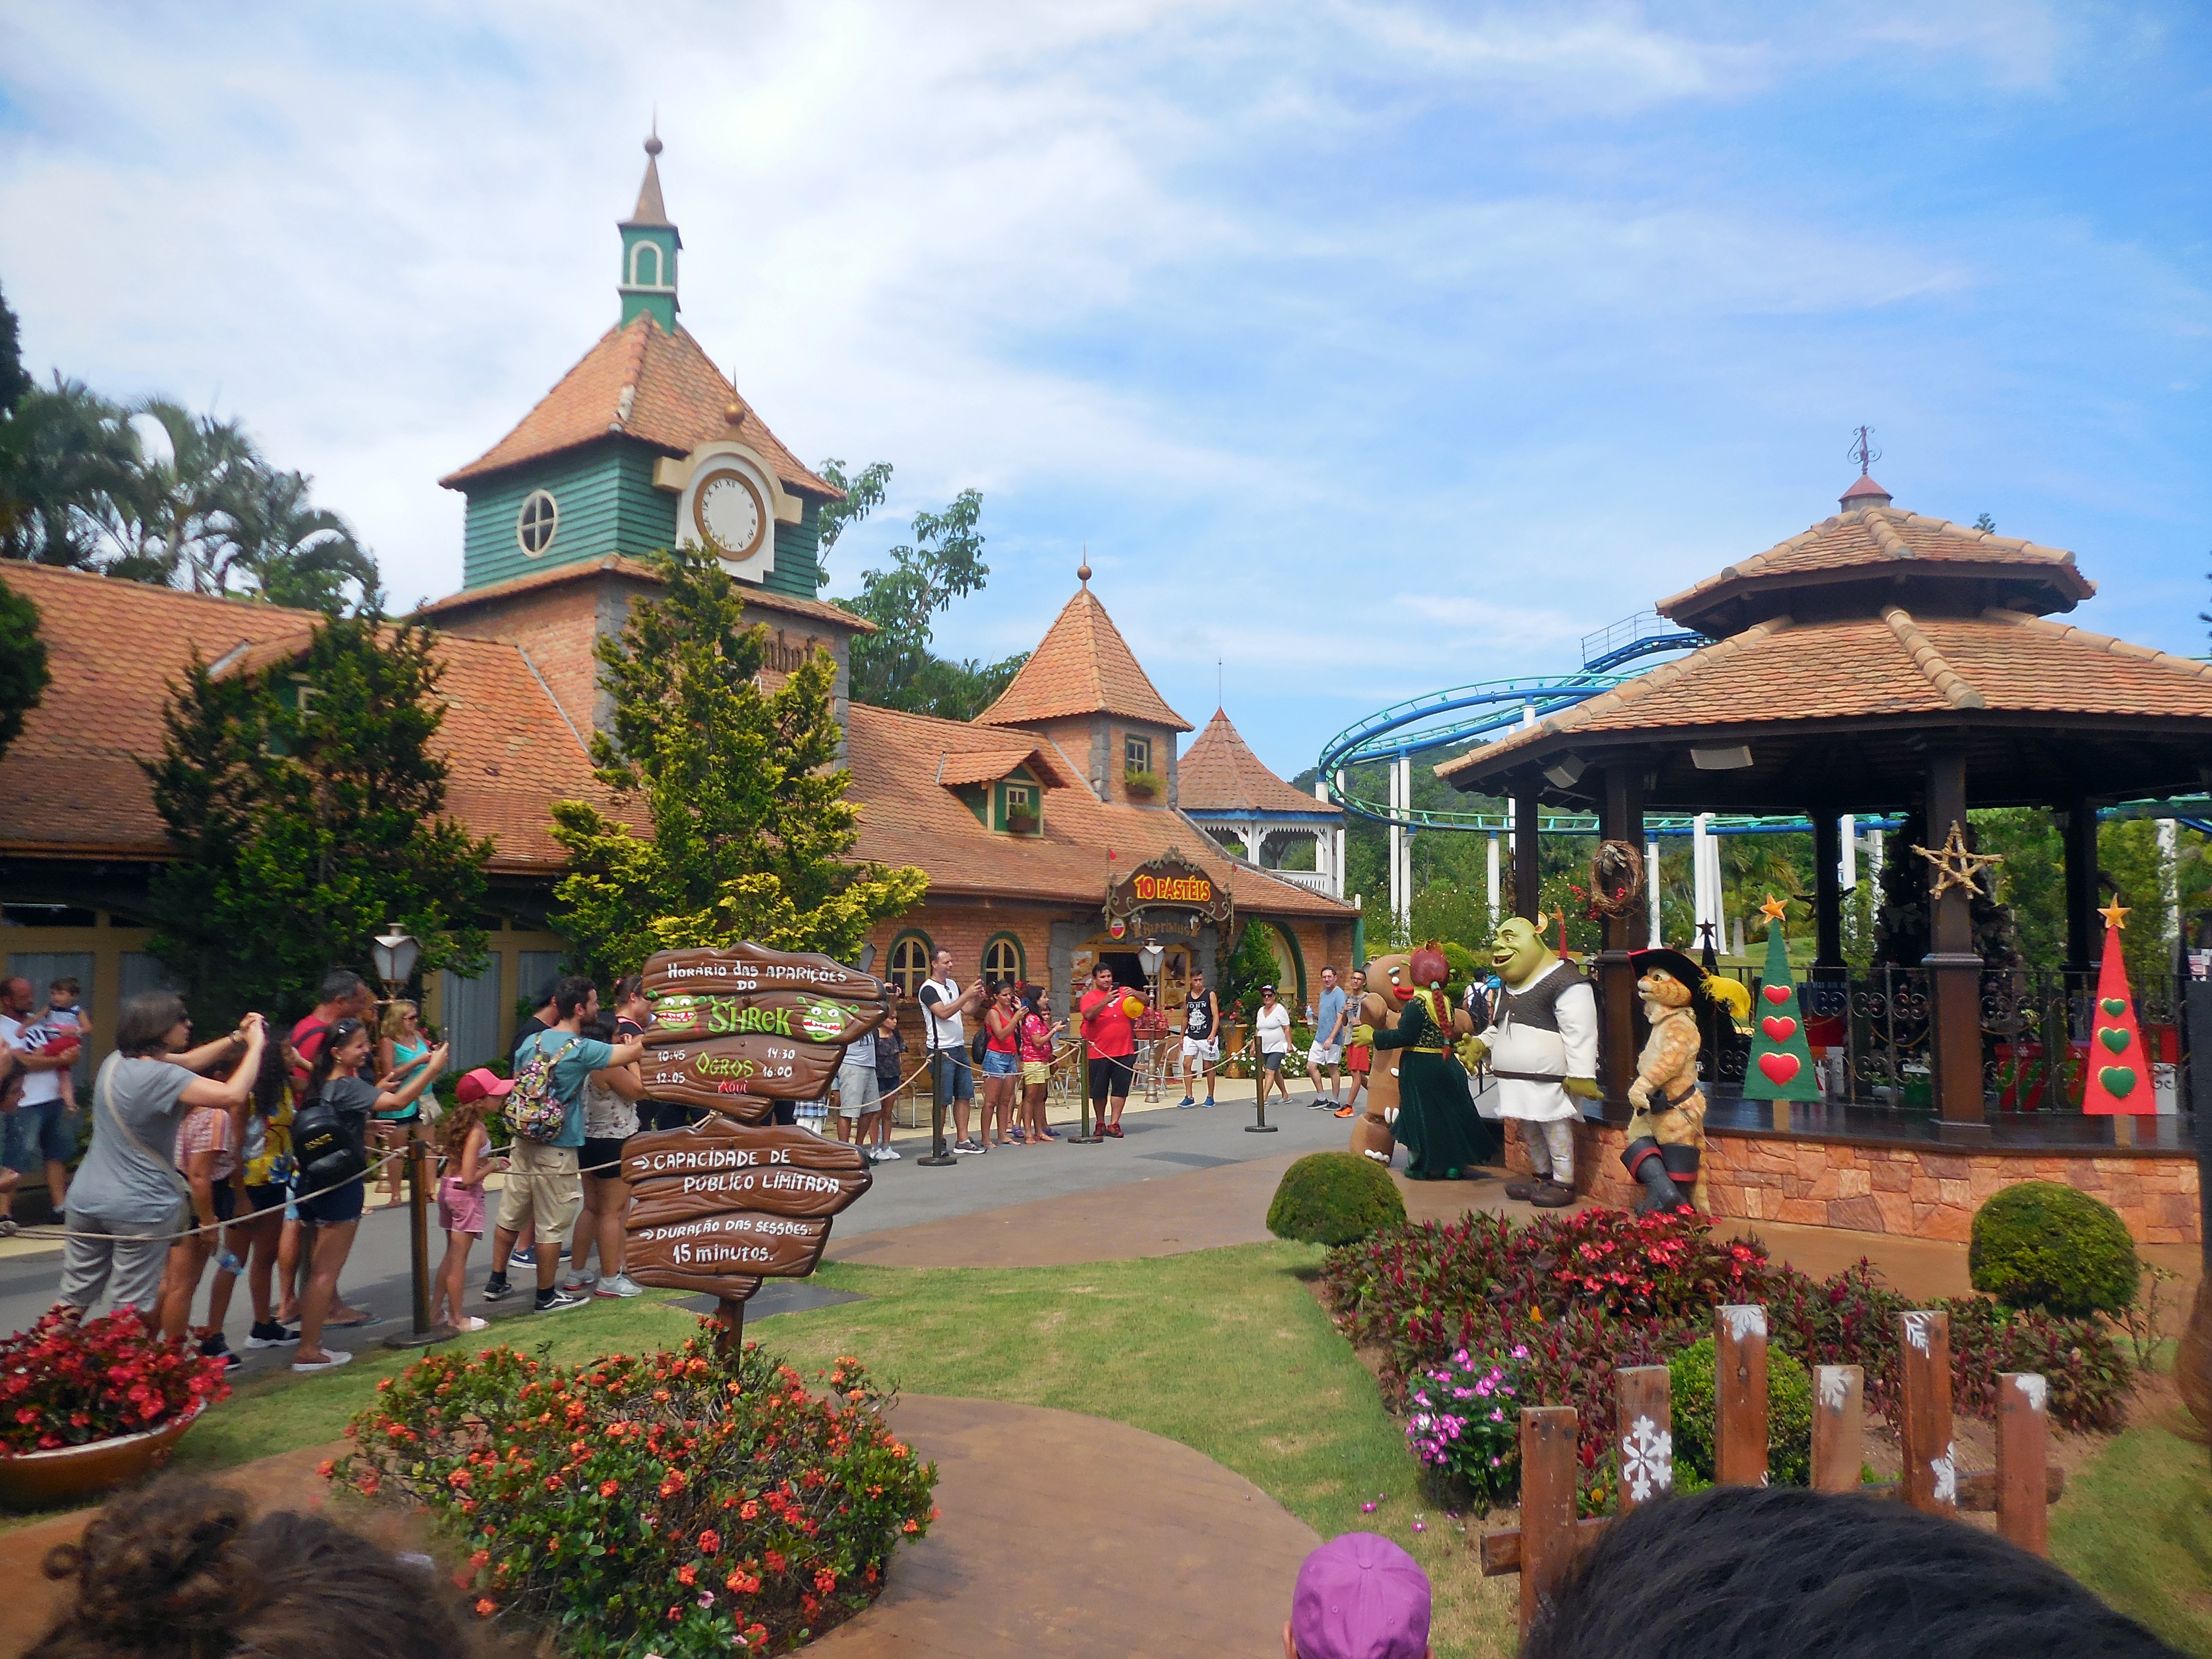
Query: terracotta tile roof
[[2001, 661], [756, 598], [71, 785], [989, 765], [908, 817], [1219, 773], [676, 399], [1874, 539], [1082, 666]]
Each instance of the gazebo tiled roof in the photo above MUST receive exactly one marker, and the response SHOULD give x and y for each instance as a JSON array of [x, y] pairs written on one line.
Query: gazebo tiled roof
[[1219, 773], [641, 382], [1082, 666]]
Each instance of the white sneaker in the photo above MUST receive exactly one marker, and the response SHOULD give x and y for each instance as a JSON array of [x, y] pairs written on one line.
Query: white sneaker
[[889, 1154], [583, 1281], [619, 1284], [337, 1356]]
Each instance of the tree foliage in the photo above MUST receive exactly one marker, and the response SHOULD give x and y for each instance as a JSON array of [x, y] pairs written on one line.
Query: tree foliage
[[202, 509], [305, 808], [751, 827], [22, 663], [15, 380], [895, 666]]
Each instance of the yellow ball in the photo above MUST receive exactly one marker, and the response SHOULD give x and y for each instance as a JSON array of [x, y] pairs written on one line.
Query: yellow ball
[[1132, 1006]]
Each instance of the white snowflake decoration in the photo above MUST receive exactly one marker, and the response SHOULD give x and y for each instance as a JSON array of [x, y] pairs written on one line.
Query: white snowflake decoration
[[1647, 1459], [2034, 1388], [1920, 1330], [1834, 1384], [1946, 1471], [1745, 1322]]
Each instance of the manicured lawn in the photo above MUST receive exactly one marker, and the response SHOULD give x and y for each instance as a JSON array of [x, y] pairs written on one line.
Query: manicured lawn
[[1226, 1351]]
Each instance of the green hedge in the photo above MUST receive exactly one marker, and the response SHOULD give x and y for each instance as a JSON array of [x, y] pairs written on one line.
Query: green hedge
[[1788, 1418], [2037, 1245], [1334, 1198]]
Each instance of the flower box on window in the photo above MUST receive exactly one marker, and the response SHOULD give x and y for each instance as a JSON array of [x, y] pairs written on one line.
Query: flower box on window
[[1022, 824], [1142, 785]]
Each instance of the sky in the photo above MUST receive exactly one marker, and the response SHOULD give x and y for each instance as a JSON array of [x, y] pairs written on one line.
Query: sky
[[1364, 350]]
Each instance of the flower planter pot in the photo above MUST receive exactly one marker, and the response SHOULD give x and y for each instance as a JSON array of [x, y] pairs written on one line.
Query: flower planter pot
[[1021, 823], [40, 1480]]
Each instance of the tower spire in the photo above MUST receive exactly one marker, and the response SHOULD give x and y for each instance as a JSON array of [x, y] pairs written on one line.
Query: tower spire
[[650, 242]]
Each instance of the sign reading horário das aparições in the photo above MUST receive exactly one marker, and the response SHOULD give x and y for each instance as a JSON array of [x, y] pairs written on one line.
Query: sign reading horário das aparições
[[742, 969], [1170, 882], [718, 1208]]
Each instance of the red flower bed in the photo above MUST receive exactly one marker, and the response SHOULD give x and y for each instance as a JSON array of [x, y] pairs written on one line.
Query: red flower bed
[[1600, 1288], [68, 1382]]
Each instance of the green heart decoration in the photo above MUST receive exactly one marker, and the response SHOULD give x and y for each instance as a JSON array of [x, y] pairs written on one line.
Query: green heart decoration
[[2113, 1038], [2120, 1081], [2114, 1005]]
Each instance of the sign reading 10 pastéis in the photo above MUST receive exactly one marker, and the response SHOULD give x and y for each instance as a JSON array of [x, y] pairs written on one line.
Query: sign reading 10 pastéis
[[719, 1207]]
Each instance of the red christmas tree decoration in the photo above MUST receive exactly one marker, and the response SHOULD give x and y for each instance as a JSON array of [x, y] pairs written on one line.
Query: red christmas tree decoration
[[2116, 1075]]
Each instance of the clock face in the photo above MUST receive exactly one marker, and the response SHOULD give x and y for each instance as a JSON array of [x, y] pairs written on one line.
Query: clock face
[[728, 509]]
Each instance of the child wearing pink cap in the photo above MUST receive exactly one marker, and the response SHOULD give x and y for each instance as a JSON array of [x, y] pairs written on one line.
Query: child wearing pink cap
[[466, 1144], [1359, 1597]]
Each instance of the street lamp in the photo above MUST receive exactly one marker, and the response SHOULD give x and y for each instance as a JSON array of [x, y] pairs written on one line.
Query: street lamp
[[1151, 954], [394, 953]]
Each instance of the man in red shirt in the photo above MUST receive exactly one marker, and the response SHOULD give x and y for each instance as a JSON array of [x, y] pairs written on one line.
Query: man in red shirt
[[1111, 1047], [344, 995]]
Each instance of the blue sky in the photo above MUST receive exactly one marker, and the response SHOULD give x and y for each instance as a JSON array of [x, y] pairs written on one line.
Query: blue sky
[[1369, 349]]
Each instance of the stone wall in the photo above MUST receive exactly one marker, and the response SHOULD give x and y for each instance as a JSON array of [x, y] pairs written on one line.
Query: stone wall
[[1908, 1191]]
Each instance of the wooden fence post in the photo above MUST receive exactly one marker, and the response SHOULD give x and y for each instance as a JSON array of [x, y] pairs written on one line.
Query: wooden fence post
[[1549, 1471], [1838, 1427], [2023, 1451], [1739, 1396], [1931, 1470], [1646, 1417]]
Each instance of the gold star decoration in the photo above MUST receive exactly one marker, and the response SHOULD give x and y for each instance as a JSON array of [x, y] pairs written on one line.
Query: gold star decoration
[[2115, 914], [1955, 865], [1772, 909]]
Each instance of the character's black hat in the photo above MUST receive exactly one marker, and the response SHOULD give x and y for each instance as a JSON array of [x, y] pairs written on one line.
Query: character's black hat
[[1677, 962]]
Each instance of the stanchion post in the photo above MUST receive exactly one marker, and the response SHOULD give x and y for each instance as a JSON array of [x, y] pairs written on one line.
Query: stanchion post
[[423, 1333], [1085, 1136], [939, 1157], [1260, 1099]]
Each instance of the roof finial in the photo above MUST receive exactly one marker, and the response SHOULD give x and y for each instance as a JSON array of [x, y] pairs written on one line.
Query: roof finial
[[1864, 452], [1083, 570], [652, 138]]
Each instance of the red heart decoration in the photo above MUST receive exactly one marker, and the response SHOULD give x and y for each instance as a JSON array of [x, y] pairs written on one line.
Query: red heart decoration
[[1779, 1068], [1777, 994], [1779, 1028]]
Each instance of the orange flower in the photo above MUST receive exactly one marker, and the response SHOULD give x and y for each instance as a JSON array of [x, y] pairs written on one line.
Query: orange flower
[[687, 1574], [326, 1467], [709, 1541], [486, 1607], [609, 1488]]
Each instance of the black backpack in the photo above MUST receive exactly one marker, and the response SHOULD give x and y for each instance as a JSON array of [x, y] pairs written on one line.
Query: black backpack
[[327, 1152]]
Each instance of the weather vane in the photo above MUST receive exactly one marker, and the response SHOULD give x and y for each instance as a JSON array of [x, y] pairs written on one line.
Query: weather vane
[[1864, 452]]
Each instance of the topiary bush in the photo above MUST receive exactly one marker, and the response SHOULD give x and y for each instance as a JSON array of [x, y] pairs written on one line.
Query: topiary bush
[[1334, 1198], [1788, 1418], [2037, 1245]]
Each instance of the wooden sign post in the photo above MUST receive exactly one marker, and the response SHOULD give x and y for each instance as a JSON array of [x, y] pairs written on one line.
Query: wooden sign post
[[1739, 1395], [1931, 1480], [728, 1202]]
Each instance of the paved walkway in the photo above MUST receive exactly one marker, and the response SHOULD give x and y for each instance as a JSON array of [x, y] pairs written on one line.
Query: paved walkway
[[1048, 1517]]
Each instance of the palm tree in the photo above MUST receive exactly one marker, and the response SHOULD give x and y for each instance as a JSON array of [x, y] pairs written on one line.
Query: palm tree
[[62, 451], [171, 520], [291, 552]]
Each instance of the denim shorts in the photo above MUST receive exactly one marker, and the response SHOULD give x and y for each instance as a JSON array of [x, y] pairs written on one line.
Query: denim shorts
[[950, 1073], [996, 1064], [39, 1135]]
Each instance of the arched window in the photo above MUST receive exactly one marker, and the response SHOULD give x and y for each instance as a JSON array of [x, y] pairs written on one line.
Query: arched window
[[1002, 960], [910, 955], [645, 272], [538, 522]]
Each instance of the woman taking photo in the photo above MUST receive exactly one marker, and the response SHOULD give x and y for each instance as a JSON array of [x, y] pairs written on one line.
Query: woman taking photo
[[1002, 1065], [336, 1213], [128, 1197], [401, 1051]]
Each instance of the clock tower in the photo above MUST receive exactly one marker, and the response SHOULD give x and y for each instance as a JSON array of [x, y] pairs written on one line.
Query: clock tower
[[644, 444]]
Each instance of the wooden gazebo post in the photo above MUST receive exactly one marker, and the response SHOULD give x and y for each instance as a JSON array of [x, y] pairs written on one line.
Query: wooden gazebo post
[[1620, 818], [1527, 868], [1954, 972], [2077, 830]]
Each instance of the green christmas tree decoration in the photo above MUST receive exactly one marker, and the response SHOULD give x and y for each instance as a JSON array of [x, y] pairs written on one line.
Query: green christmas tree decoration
[[1781, 1063], [2115, 1074]]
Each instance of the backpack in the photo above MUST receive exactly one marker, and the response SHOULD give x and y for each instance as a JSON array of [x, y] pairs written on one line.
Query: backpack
[[534, 1112], [328, 1154]]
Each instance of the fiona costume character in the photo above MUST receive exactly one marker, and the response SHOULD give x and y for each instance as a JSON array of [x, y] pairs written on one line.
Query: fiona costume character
[[1444, 1137]]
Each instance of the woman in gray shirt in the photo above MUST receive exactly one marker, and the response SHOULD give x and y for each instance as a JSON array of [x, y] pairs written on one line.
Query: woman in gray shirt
[[128, 1197]]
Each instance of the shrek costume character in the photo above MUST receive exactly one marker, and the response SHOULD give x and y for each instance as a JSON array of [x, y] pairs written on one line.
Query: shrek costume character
[[1542, 1046], [1444, 1137]]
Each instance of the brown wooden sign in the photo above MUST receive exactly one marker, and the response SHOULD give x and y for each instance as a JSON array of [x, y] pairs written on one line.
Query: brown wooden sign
[[1170, 882], [745, 970], [738, 1075], [800, 1015], [750, 1242]]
